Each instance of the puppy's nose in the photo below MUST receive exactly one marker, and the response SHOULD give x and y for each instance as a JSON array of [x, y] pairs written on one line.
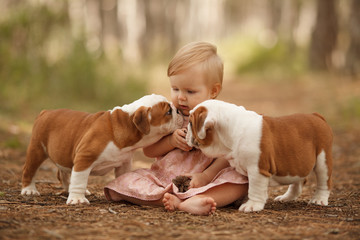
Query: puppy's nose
[[194, 142]]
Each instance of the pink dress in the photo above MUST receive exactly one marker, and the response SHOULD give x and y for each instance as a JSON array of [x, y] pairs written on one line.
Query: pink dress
[[151, 184]]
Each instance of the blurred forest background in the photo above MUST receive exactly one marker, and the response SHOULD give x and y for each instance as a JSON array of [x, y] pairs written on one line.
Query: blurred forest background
[[280, 57], [93, 55]]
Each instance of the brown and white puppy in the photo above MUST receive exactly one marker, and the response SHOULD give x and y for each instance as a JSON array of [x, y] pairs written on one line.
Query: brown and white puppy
[[82, 143], [269, 150]]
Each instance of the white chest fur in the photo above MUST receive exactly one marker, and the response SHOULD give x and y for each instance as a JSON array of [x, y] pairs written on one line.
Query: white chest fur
[[111, 157], [285, 180]]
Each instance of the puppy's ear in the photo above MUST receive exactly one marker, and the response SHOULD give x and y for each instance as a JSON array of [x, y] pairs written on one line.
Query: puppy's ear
[[209, 123], [141, 120]]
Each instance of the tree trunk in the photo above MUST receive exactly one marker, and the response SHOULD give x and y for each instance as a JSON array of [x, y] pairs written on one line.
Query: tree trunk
[[131, 17], [110, 29], [324, 36], [93, 25], [353, 55]]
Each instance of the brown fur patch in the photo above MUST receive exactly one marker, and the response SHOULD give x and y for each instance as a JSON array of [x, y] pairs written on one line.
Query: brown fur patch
[[141, 119], [159, 114], [56, 134], [123, 129], [197, 121], [290, 144]]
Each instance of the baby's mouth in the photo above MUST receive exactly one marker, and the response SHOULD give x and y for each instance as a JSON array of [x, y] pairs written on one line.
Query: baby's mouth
[[183, 107]]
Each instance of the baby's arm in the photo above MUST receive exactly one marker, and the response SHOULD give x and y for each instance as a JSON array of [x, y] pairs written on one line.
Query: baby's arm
[[201, 179], [168, 143]]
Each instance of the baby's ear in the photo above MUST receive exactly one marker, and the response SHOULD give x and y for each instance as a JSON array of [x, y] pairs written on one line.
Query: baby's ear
[[208, 124], [215, 90]]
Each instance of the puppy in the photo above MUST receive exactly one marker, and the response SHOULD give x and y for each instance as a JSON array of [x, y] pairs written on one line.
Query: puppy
[[86, 144], [269, 150]]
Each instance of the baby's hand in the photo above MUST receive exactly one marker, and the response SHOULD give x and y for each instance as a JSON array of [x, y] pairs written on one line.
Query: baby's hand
[[177, 139], [198, 179]]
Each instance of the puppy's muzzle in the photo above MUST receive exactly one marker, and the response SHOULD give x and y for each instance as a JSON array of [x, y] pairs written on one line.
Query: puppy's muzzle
[[195, 143]]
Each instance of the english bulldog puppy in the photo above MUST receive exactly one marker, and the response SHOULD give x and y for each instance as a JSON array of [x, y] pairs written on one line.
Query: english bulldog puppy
[[269, 150], [83, 144]]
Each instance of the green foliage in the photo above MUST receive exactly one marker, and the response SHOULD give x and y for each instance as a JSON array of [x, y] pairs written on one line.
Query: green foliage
[[350, 110], [43, 66], [13, 143], [281, 59], [343, 114]]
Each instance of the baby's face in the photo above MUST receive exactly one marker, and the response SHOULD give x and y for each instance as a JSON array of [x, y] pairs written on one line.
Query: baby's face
[[189, 88]]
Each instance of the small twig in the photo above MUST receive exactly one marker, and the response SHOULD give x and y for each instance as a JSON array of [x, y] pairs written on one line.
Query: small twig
[[112, 211], [52, 233]]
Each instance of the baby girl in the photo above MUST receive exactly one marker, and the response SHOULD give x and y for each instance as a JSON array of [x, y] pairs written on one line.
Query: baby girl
[[195, 74]]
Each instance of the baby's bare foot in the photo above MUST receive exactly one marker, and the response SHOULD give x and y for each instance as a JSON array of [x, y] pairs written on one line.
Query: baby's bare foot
[[171, 202], [198, 205]]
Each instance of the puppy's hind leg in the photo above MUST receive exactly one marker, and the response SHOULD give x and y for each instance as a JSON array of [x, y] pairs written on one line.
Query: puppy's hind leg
[[323, 170], [64, 178], [292, 193], [36, 155]]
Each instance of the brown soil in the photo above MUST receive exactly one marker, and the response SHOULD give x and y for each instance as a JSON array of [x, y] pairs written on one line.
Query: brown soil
[[48, 217]]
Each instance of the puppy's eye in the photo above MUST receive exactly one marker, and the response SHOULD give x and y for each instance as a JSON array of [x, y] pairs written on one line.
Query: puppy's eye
[[169, 112]]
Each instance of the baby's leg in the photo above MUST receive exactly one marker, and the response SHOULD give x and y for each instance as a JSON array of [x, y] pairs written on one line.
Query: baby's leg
[[205, 203], [227, 193], [142, 202]]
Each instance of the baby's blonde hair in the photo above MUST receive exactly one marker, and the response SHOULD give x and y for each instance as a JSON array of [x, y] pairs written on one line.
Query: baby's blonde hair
[[198, 53]]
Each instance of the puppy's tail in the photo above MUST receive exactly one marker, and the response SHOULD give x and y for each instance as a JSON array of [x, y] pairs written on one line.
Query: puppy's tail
[[319, 116]]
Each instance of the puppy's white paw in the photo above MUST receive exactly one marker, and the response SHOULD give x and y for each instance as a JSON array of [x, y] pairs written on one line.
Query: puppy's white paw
[[252, 206], [77, 198], [87, 193], [30, 191], [321, 197], [322, 202], [285, 198]]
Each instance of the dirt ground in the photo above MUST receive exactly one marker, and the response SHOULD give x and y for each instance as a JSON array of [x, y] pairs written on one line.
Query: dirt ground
[[48, 217]]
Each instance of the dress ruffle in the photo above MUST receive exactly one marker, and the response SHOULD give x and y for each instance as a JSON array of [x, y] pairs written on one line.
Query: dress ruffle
[[151, 184]]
